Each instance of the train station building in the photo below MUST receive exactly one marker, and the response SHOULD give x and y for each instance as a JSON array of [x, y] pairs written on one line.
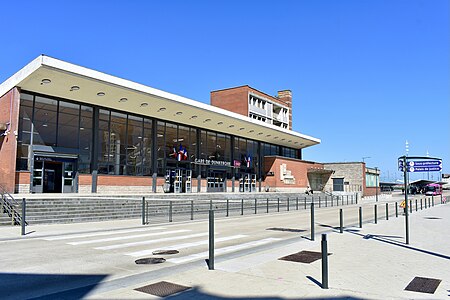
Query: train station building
[[69, 129]]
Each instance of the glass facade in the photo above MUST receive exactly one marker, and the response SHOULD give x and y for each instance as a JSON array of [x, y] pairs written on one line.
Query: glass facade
[[118, 143]]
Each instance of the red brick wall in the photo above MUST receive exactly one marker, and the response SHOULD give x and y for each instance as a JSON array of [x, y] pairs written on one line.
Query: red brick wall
[[235, 100], [371, 191], [9, 108], [298, 168], [115, 180], [23, 177]]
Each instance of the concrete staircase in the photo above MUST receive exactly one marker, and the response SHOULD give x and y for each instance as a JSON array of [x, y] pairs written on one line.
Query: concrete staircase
[[46, 209]]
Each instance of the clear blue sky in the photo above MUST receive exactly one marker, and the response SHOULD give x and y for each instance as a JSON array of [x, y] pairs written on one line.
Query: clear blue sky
[[366, 75]]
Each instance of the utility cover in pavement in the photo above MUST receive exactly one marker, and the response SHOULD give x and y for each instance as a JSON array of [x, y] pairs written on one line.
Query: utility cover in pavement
[[423, 285], [162, 252], [286, 229], [306, 257], [149, 261], [162, 289]]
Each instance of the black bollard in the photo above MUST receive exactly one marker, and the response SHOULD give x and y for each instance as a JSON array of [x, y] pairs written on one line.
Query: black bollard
[[360, 217], [22, 220], [211, 240], [324, 248], [341, 221], [312, 221]]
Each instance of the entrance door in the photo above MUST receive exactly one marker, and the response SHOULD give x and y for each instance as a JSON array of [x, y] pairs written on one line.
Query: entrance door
[[216, 181], [178, 183], [52, 181], [188, 182]]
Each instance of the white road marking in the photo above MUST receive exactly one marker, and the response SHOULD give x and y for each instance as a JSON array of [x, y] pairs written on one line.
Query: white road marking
[[185, 245], [179, 260], [83, 235], [168, 239], [127, 237]]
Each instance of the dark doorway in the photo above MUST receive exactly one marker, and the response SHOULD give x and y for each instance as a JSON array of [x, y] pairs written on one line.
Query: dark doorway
[[52, 177]]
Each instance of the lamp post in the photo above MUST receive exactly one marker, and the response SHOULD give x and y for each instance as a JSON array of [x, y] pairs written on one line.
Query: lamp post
[[376, 184]]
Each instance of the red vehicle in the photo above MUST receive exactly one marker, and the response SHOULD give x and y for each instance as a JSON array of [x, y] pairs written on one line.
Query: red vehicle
[[433, 189]]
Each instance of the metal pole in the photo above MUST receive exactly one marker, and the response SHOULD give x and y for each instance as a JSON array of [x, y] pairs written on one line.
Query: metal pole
[[143, 210], [360, 217], [278, 204], [425, 203], [432, 198], [242, 207], [319, 201], [429, 204], [376, 184], [210, 204], [312, 221], [22, 220], [170, 211], [296, 203], [347, 199], [375, 213], [287, 204], [341, 221], [421, 206], [416, 204], [410, 206], [192, 209], [326, 201], [405, 174], [324, 248], [267, 205], [305, 202], [228, 207], [387, 211], [146, 212], [396, 209], [256, 205], [211, 240]]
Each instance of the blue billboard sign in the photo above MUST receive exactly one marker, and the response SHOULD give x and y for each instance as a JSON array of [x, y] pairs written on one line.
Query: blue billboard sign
[[424, 169]]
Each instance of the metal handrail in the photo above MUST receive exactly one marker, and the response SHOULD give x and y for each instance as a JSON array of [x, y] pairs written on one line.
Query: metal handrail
[[10, 206]]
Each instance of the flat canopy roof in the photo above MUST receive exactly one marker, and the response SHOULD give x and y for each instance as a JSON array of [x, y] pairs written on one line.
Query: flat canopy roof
[[143, 100]]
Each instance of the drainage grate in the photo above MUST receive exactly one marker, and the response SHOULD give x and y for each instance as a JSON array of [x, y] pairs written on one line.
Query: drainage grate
[[286, 229], [423, 285], [162, 289], [162, 252], [149, 261], [306, 257]]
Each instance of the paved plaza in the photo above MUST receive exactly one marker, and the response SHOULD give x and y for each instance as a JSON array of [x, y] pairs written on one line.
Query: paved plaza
[[97, 260]]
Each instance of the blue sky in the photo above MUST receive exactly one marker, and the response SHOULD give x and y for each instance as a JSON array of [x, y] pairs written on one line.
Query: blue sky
[[366, 75]]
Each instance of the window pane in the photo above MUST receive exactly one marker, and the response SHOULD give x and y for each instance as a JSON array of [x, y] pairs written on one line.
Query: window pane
[[45, 115], [147, 148], [134, 145], [68, 125], [85, 140]]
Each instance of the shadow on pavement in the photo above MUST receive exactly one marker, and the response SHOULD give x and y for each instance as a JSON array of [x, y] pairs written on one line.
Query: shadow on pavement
[[47, 286], [396, 243], [197, 294]]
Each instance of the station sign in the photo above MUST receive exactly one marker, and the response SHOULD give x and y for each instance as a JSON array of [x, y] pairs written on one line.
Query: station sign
[[421, 166], [424, 169]]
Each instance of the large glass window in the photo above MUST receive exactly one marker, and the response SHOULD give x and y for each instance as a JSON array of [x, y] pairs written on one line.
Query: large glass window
[[134, 145], [160, 144], [45, 121], [117, 142], [68, 125], [103, 142], [85, 139], [147, 148], [24, 131]]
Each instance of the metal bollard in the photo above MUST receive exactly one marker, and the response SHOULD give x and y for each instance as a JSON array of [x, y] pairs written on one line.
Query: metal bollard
[[210, 204], [312, 221], [331, 200], [143, 210], [387, 211], [410, 206], [242, 207], [375, 213], [278, 204], [146, 212], [192, 209], [319, 201], [396, 209], [360, 217], [347, 199], [296, 203], [326, 201], [416, 204], [22, 220], [432, 199], [425, 203], [324, 248], [211, 240], [228, 207], [267, 206], [170, 211], [305, 202], [256, 206], [429, 204], [341, 221], [421, 207], [287, 208]]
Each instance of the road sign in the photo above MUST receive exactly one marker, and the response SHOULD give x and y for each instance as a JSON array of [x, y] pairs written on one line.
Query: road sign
[[424, 163], [424, 169]]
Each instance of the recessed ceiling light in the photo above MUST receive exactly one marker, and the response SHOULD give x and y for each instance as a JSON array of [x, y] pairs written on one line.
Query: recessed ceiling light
[[275, 137], [290, 141], [219, 123], [206, 120], [178, 113], [231, 126], [250, 131], [74, 88], [269, 135], [295, 142], [144, 104], [123, 100], [194, 117], [81, 128], [45, 81], [283, 139], [101, 94], [161, 109], [44, 125], [242, 128], [260, 133]]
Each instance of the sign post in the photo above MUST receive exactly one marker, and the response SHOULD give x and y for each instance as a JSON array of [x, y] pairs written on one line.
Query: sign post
[[424, 164]]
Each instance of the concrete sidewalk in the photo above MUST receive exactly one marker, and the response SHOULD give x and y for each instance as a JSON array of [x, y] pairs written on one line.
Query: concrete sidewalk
[[368, 263]]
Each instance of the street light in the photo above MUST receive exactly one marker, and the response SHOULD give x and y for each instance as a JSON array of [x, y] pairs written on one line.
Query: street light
[[365, 157]]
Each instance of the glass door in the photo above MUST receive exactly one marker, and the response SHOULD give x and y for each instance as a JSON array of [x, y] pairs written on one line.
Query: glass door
[[188, 183], [178, 182]]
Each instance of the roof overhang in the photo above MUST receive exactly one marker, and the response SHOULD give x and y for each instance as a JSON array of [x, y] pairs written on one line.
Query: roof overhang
[[143, 100]]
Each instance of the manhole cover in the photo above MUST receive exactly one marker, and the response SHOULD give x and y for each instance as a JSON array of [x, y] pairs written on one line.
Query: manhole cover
[[149, 261], [306, 257], [423, 285], [286, 229], [162, 289], [162, 252], [432, 218]]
